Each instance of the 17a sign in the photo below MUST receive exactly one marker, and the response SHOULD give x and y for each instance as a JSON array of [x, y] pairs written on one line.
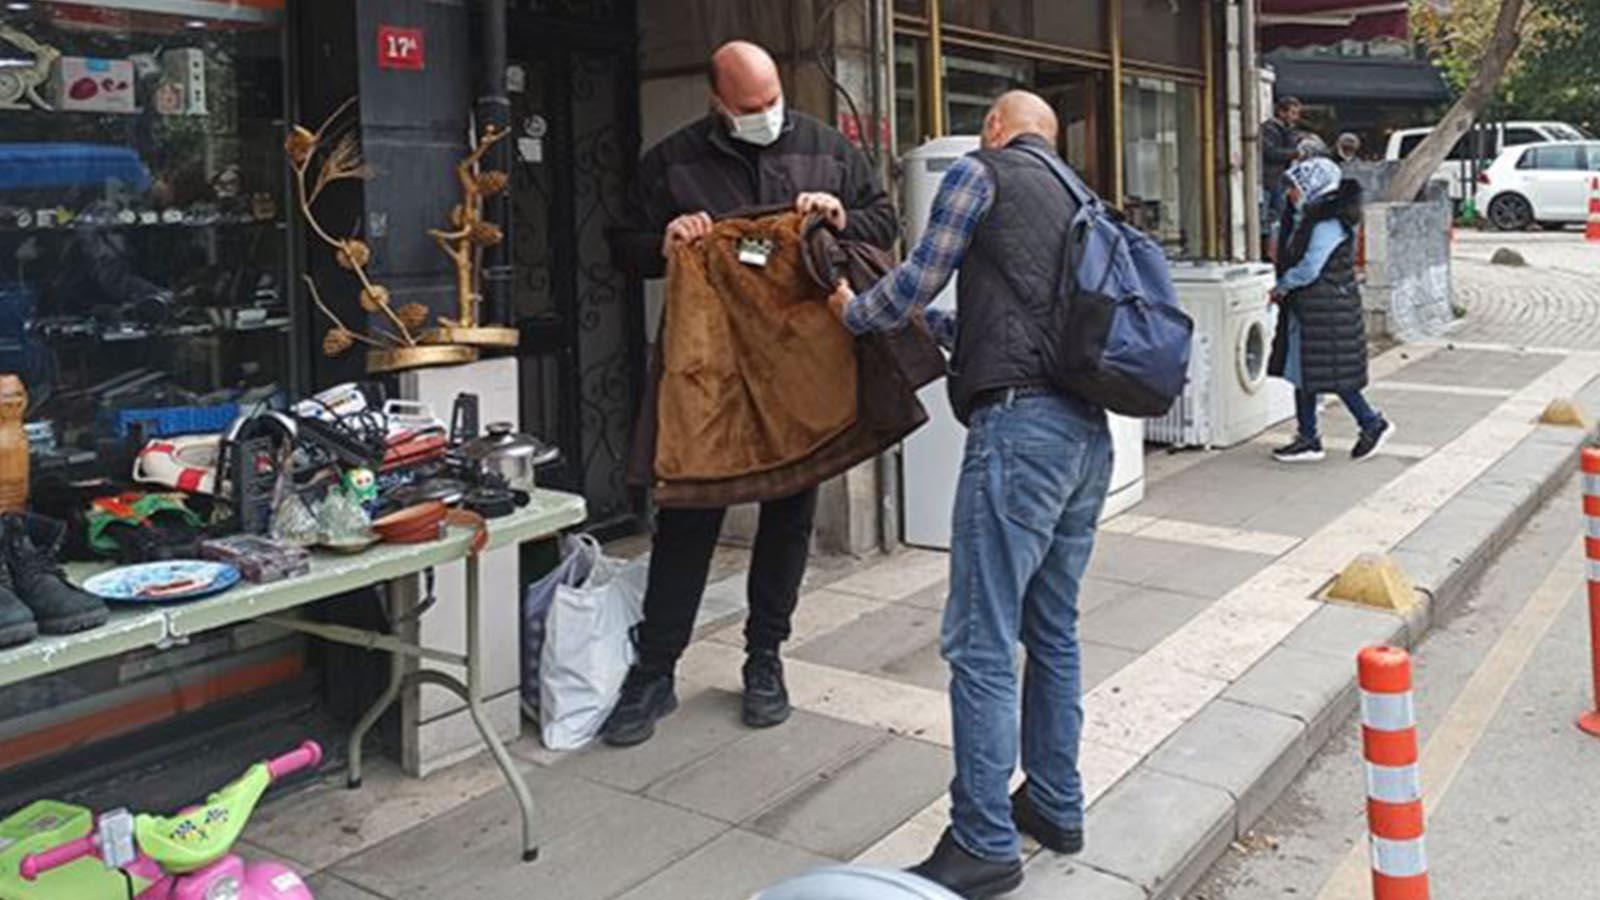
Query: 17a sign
[[400, 48]]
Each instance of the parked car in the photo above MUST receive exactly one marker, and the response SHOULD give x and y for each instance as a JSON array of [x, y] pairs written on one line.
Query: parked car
[[1545, 183], [1484, 143]]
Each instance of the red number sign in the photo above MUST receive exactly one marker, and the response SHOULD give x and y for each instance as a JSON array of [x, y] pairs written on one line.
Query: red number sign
[[399, 48]]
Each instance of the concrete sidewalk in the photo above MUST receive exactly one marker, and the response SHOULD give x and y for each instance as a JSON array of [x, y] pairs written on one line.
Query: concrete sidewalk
[[1211, 674]]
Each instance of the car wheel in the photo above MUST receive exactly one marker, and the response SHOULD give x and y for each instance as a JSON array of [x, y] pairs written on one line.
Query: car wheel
[[1510, 212]]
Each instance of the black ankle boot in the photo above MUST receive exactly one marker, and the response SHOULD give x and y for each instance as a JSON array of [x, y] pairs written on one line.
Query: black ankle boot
[[58, 607], [1031, 822], [16, 620], [974, 878]]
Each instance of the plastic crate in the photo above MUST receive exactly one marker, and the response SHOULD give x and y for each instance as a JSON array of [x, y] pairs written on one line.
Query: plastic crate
[[164, 421]]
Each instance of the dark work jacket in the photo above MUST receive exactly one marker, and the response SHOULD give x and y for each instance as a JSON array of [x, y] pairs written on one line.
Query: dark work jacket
[[698, 168], [1333, 340], [1009, 275], [1279, 144]]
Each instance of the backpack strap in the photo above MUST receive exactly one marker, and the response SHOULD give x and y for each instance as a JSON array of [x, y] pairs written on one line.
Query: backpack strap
[[1069, 179]]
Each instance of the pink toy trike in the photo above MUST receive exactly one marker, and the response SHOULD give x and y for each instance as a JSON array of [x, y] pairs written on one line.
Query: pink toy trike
[[56, 851]]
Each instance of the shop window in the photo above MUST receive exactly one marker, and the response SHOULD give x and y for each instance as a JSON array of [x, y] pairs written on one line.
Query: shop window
[[1161, 162], [918, 8], [909, 127], [142, 236], [973, 81], [1078, 24]]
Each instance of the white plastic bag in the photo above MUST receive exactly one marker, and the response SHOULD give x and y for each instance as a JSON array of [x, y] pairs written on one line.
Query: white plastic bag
[[587, 650], [578, 555]]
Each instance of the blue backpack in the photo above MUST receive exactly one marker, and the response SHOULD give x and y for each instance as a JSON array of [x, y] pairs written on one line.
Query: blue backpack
[[1114, 335]]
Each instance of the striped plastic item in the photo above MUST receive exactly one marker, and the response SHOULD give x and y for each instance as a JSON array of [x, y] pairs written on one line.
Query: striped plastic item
[[1394, 780], [1590, 721]]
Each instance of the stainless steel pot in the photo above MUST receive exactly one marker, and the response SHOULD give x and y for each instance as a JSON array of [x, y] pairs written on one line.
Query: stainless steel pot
[[512, 456]]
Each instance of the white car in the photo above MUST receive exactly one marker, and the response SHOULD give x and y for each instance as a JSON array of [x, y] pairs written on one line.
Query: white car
[[1485, 143], [1545, 183]]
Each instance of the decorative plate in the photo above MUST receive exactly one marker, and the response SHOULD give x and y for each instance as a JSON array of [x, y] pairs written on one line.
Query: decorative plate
[[161, 582]]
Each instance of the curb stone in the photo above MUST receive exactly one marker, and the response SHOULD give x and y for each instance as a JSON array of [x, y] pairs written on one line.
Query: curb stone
[[1289, 703]]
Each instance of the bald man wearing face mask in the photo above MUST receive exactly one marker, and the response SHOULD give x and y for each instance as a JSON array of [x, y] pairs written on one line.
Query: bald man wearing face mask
[[749, 151]]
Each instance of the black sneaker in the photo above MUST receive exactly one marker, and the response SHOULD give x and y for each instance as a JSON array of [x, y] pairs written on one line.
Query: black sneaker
[[766, 700], [1031, 822], [58, 607], [974, 878], [1300, 450], [1372, 440], [646, 697]]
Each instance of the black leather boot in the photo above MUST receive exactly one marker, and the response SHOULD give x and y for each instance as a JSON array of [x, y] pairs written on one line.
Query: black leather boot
[[974, 878], [58, 607], [16, 620], [1031, 822]]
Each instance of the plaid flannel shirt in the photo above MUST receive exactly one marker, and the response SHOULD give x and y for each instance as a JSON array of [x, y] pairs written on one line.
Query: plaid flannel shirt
[[964, 198]]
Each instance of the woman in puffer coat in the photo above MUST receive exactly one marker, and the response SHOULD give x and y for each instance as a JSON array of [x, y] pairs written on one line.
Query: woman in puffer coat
[[1321, 346]]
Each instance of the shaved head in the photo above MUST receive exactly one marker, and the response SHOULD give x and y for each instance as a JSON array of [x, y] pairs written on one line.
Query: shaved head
[[1016, 113], [744, 79]]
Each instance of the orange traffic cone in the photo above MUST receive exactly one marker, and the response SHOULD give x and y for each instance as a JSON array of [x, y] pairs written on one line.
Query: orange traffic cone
[[1591, 231]]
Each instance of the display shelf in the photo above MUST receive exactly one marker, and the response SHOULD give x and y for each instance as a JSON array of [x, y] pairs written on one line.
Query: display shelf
[[9, 226]]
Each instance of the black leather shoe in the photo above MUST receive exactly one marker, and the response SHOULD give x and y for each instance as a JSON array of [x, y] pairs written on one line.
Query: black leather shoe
[[974, 878], [646, 697], [766, 700], [1031, 822], [58, 607]]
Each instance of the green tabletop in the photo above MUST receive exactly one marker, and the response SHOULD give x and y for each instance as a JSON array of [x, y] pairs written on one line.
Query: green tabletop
[[133, 627]]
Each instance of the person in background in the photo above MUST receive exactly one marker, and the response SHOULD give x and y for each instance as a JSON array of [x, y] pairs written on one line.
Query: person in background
[[1347, 149], [749, 151], [1279, 147], [1323, 349], [1032, 484]]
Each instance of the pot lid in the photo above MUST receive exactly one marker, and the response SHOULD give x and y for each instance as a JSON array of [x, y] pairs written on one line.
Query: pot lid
[[503, 441]]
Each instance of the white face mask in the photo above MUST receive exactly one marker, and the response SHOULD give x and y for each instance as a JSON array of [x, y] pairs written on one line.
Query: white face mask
[[760, 128]]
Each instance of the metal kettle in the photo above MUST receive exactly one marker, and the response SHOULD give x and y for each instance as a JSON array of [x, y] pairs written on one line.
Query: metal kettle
[[511, 456]]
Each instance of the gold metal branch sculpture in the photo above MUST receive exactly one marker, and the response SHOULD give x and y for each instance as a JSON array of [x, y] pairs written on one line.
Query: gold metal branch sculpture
[[463, 243], [340, 160]]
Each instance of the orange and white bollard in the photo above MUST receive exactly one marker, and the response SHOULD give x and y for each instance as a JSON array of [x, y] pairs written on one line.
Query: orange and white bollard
[[1591, 231], [1590, 721], [1394, 779]]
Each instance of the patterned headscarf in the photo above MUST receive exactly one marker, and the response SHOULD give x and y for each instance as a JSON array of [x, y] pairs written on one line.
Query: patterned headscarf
[[1314, 177]]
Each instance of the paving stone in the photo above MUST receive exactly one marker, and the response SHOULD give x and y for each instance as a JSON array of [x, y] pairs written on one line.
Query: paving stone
[[1140, 618], [1462, 367], [874, 640], [843, 811], [734, 866], [1456, 543], [1158, 831], [1341, 631], [748, 775], [1207, 571], [1250, 752], [1051, 876], [707, 721], [474, 852], [1315, 688], [1418, 417], [1101, 661], [932, 597], [924, 668], [897, 576], [327, 887]]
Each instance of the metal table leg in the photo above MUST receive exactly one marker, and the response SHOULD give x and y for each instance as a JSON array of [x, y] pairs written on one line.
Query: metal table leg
[[390, 694], [519, 786]]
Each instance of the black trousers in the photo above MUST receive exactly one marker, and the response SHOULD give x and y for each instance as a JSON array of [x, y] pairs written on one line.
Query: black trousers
[[680, 559]]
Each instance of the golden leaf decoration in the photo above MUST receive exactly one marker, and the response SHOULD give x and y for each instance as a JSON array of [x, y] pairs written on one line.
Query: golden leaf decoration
[[487, 234], [374, 298], [353, 253], [337, 341], [458, 216], [492, 182], [413, 316], [300, 144]]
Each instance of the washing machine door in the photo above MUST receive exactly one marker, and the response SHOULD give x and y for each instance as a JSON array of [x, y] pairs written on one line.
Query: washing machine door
[[1251, 352]]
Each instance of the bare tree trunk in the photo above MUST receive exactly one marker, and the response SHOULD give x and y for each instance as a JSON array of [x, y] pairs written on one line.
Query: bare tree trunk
[[1420, 165]]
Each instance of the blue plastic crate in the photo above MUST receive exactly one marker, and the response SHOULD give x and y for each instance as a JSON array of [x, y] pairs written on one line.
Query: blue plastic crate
[[165, 421]]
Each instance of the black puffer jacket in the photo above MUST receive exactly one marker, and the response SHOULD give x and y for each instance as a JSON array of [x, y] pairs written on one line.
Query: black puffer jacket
[[1333, 339]]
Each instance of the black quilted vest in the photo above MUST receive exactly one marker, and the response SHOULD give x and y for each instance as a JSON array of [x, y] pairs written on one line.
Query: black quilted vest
[[1011, 266], [1333, 339]]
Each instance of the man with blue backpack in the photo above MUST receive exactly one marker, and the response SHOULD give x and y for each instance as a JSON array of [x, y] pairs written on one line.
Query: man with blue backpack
[[1062, 312]]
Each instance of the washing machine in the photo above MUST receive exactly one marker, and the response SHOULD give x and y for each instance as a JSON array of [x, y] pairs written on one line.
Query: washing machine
[[1230, 398], [931, 456]]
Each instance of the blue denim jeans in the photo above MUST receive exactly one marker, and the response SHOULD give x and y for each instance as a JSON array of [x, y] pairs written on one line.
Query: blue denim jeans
[[1032, 485], [1305, 411]]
